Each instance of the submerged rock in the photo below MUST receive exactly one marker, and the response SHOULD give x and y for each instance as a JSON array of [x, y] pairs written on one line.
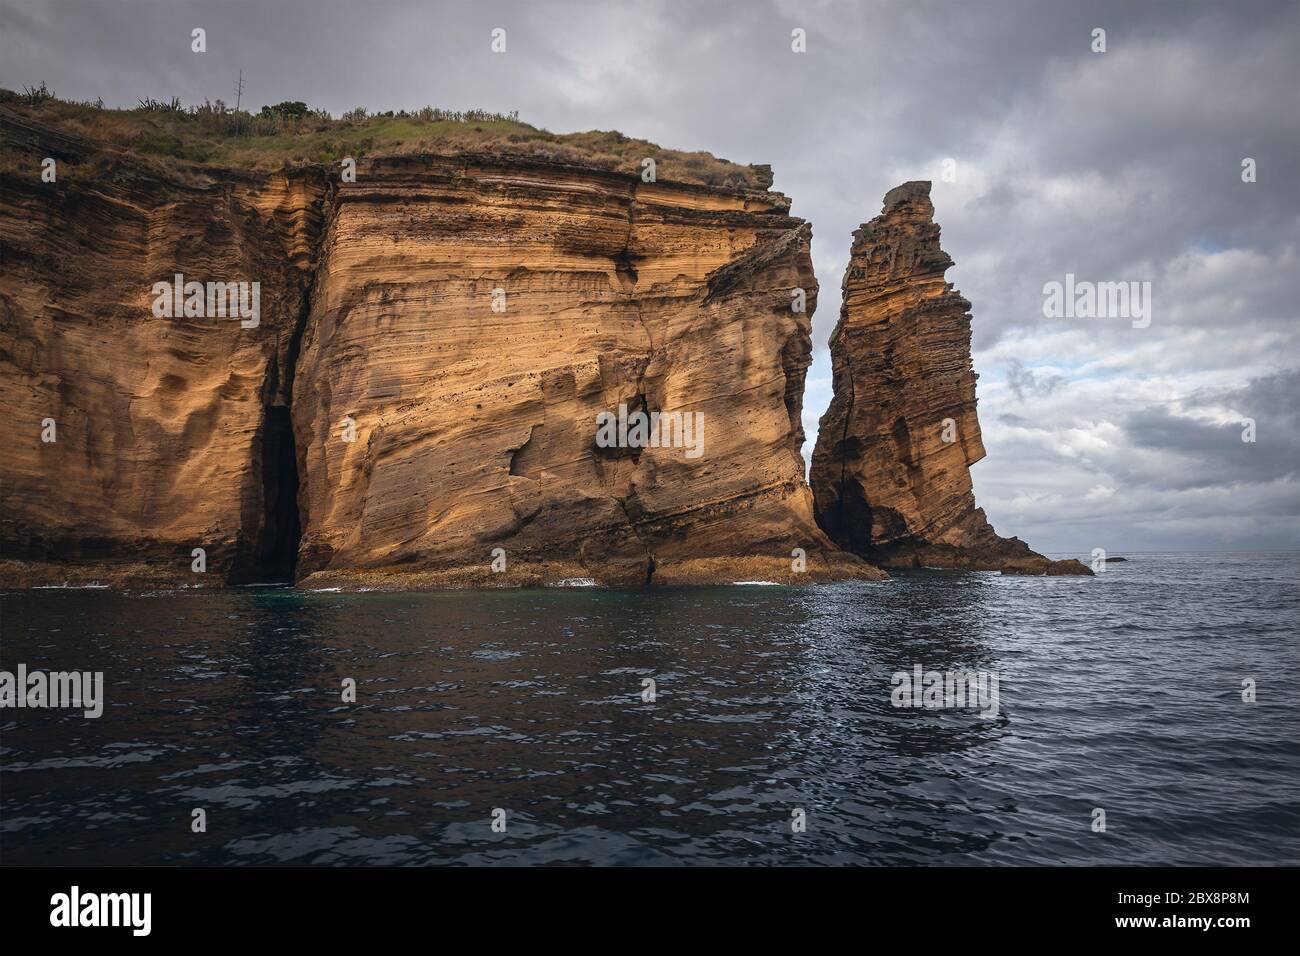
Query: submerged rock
[[1068, 566]]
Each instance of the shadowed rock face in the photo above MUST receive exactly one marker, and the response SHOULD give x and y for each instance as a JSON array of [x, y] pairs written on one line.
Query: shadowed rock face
[[475, 427], [891, 470]]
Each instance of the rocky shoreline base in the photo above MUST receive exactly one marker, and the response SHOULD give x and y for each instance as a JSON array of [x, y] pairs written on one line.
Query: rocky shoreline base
[[701, 572]]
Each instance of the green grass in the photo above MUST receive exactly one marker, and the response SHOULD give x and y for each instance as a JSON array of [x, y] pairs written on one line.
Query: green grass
[[213, 135]]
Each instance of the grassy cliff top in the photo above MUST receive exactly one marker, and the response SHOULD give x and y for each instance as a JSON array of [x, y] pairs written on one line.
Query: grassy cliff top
[[291, 134]]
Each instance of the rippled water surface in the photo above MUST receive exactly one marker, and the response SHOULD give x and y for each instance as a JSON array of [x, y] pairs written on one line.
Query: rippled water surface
[[1121, 692]]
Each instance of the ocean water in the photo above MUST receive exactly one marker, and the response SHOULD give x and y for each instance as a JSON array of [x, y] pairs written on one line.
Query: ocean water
[[1121, 693]]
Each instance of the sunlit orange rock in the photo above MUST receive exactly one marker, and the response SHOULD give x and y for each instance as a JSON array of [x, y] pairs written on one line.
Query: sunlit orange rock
[[421, 387]]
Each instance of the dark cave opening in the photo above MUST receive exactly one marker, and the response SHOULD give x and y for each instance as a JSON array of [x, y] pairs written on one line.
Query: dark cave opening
[[277, 545], [275, 553], [849, 522]]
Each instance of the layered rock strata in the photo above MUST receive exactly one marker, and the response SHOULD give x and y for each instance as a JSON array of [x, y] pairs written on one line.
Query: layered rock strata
[[891, 469], [135, 438], [471, 322], [436, 341]]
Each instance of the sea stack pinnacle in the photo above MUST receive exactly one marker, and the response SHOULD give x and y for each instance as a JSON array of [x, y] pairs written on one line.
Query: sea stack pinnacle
[[891, 470]]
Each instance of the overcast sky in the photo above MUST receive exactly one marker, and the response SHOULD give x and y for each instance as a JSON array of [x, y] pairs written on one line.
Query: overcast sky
[[1115, 166]]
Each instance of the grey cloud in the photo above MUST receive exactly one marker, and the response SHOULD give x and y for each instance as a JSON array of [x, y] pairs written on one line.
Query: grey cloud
[[1025, 382], [1215, 454], [1208, 455], [1014, 420]]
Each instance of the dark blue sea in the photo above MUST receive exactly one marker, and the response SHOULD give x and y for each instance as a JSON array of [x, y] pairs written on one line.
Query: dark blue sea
[[1121, 693]]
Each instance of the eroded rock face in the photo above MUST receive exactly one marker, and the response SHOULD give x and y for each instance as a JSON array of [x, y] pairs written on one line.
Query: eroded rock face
[[471, 321], [157, 424], [475, 427], [891, 470]]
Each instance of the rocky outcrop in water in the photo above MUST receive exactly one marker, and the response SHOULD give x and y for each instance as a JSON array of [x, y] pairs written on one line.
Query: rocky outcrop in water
[[421, 384], [891, 470], [466, 369]]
